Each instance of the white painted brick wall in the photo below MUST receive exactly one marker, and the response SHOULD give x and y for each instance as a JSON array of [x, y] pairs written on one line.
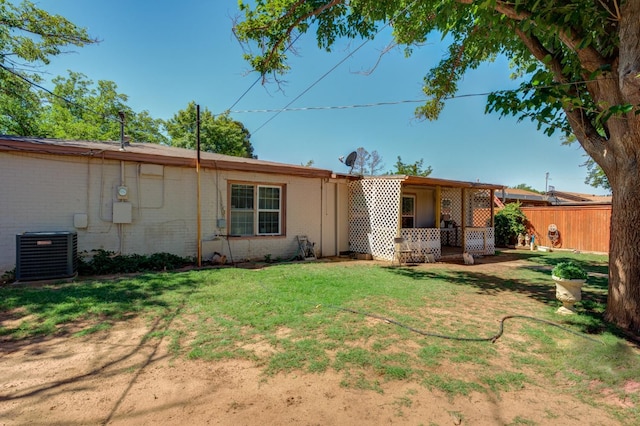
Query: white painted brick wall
[[43, 192]]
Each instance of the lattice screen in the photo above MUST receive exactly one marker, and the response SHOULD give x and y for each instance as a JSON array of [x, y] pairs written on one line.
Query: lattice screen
[[451, 205], [478, 207], [374, 214], [423, 240], [480, 240]]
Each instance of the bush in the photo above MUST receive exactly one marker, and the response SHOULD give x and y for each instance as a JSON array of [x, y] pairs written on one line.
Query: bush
[[569, 271], [509, 223], [105, 262]]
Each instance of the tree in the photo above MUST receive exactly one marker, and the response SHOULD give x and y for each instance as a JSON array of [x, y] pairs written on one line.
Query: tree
[[218, 134], [509, 223], [367, 163], [580, 59], [78, 109], [29, 37], [414, 169], [595, 175]]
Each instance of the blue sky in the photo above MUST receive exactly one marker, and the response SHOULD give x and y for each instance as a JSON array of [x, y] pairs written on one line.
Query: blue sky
[[164, 54]]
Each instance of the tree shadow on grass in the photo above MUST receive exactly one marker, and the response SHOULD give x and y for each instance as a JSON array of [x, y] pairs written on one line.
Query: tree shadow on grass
[[537, 285], [35, 313]]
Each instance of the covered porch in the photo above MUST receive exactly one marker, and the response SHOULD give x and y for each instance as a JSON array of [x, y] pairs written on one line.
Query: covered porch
[[436, 217]]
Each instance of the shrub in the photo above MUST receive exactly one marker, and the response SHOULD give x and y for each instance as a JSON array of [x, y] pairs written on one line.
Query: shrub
[[105, 262], [509, 223], [569, 271]]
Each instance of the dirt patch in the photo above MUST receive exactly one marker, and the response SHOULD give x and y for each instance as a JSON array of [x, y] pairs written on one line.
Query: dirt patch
[[119, 377]]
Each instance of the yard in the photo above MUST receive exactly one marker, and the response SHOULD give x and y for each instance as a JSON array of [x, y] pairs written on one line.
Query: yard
[[319, 343]]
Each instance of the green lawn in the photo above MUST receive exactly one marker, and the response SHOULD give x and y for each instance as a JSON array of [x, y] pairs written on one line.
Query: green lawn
[[319, 316]]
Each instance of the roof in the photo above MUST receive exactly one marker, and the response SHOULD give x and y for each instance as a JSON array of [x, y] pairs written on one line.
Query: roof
[[523, 195], [154, 154], [429, 181], [554, 197], [576, 197]]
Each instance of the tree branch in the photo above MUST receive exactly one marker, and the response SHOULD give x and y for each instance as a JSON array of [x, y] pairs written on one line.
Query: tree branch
[[590, 58], [582, 126]]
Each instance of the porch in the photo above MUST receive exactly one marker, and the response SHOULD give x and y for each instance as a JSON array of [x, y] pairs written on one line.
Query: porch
[[436, 217]]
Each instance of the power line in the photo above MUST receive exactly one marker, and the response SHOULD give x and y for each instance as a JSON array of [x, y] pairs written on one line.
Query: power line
[[406, 101], [260, 76], [333, 68]]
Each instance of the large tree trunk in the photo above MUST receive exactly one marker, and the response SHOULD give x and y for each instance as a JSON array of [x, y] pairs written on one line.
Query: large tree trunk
[[623, 303]]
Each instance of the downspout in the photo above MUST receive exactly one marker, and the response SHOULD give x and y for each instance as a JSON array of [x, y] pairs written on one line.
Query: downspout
[[199, 238], [337, 219], [322, 213]]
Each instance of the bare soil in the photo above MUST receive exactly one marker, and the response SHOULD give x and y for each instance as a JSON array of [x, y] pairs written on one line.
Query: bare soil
[[118, 377]]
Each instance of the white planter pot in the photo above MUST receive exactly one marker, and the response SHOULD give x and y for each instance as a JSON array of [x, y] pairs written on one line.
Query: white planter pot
[[568, 292]]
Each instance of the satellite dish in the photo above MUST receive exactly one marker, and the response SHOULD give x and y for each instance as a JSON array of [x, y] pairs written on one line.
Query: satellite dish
[[351, 159]]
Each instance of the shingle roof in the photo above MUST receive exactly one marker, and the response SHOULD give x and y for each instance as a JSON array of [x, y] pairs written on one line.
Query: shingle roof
[[155, 154]]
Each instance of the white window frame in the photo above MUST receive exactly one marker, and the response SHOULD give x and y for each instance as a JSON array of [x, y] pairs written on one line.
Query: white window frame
[[413, 214], [256, 210], [267, 210]]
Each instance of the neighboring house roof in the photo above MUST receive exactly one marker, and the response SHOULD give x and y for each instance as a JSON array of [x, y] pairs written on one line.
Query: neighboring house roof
[[155, 154], [510, 195], [563, 197], [552, 198]]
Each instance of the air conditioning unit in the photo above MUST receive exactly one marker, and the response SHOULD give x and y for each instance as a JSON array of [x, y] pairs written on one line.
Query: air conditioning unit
[[46, 255]]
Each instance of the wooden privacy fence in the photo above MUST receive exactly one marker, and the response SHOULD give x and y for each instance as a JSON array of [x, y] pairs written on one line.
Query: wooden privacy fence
[[584, 228]]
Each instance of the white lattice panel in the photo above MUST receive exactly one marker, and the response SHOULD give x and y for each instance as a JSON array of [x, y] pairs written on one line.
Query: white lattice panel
[[423, 240], [479, 241], [451, 205], [478, 207], [374, 214]]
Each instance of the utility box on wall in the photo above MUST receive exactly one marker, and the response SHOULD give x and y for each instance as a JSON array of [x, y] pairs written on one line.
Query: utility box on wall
[[122, 212]]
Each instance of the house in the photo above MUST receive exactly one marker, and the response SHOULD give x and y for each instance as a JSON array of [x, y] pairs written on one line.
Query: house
[[142, 198], [148, 198], [524, 197], [437, 217]]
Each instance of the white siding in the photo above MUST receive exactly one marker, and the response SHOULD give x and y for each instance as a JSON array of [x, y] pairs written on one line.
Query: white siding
[[43, 193]]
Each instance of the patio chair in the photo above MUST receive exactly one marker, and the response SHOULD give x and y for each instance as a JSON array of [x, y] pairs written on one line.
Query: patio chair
[[402, 251]]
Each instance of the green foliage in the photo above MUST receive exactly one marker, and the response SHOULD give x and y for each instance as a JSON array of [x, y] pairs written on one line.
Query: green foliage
[[596, 176], [105, 262], [509, 223], [8, 276], [29, 37], [569, 271], [414, 169], [83, 110], [220, 134]]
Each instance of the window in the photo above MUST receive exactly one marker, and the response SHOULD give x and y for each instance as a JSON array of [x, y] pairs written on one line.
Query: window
[[256, 210], [408, 211]]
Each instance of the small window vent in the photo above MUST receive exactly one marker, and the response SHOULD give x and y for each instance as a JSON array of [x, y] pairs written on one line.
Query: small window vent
[[46, 255]]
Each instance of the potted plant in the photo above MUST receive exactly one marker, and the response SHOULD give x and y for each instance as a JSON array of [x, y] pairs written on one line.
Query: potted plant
[[569, 278]]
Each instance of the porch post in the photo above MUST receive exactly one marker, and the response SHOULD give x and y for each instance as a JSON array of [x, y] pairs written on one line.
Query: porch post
[[438, 206], [464, 219], [492, 197]]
